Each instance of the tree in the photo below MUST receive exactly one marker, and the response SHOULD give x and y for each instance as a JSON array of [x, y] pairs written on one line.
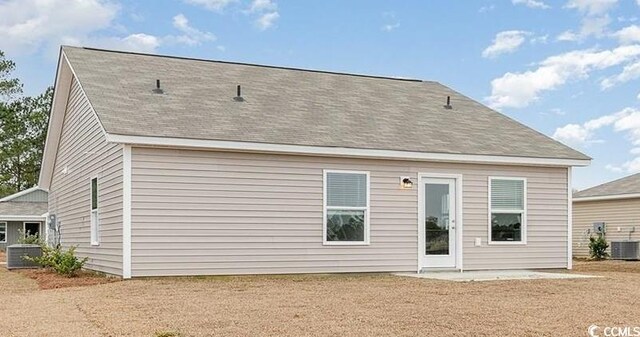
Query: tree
[[23, 128], [8, 86]]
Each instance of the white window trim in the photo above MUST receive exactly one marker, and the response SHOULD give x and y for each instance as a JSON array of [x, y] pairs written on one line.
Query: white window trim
[[6, 230], [366, 209], [95, 241], [523, 212]]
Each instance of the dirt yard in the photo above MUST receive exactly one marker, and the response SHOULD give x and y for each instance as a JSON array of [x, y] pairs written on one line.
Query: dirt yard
[[324, 305]]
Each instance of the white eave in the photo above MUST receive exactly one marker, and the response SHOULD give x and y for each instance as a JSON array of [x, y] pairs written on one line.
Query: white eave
[[22, 217], [607, 197], [338, 151]]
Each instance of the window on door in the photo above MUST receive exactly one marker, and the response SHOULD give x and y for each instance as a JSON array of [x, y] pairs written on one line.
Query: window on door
[[437, 219], [95, 221], [508, 211], [3, 232], [346, 202]]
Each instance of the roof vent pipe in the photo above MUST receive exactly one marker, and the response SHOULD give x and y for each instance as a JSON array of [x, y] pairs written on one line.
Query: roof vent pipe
[[158, 90], [238, 97], [448, 105]]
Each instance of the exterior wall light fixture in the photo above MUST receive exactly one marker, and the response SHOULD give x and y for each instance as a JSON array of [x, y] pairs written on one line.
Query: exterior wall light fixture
[[405, 182]]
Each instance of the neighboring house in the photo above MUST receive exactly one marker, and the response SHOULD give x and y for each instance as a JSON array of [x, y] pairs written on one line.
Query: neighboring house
[[616, 203], [23, 212], [230, 168]]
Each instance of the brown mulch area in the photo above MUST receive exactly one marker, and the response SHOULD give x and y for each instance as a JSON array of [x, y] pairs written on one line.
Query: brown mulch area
[[587, 266], [48, 279], [328, 305]]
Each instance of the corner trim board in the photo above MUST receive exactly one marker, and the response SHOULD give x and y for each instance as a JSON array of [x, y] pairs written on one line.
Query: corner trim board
[[126, 211], [569, 221]]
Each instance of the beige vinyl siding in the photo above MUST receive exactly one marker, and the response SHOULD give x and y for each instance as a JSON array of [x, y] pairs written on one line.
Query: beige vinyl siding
[[207, 212], [624, 213], [35, 196], [85, 153], [13, 233]]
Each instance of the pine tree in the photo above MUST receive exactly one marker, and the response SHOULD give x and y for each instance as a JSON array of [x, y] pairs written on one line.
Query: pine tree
[[23, 128]]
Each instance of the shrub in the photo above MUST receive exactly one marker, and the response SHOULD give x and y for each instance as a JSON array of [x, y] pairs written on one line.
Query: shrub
[[63, 262], [598, 247], [30, 239]]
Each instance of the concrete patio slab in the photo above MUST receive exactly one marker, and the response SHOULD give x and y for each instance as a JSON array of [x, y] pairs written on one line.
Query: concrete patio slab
[[493, 275]]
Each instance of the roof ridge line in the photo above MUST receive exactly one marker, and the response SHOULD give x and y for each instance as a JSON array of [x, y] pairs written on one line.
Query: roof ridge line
[[255, 65]]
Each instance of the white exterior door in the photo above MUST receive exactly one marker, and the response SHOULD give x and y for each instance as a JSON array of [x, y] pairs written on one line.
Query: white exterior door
[[438, 221]]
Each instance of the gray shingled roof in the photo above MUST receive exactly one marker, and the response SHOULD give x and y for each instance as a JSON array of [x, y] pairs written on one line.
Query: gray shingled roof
[[295, 107], [626, 185], [22, 208]]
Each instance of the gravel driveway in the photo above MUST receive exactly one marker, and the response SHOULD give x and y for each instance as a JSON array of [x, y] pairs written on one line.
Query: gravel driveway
[[324, 305]]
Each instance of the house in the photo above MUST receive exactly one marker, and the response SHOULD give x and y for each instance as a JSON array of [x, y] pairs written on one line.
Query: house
[[160, 165], [616, 204], [22, 212]]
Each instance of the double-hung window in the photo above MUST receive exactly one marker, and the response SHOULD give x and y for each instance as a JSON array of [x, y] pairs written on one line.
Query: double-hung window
[[507, 210], [3, 232], [346, 208], [95, 220]]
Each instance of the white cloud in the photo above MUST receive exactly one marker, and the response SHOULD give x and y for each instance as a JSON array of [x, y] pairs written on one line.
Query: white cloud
[[629, 72], [631, 166], [26, 26], [626, 121], [265, 21], [594, 22], [581, 134], [30, 26], [191, 36], [140, 42], [568, 36], [591, 7], [391, 26], [572, 134], [267, 12], [543, 39], [505, 42], [628, 35], [613, 168], [262, 6], [531, 3], [591, 26], [489, 8], [212, 5], [391, 21], [520, 89]]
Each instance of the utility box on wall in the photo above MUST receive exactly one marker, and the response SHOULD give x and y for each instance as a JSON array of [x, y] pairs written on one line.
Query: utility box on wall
[[599, 227]]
